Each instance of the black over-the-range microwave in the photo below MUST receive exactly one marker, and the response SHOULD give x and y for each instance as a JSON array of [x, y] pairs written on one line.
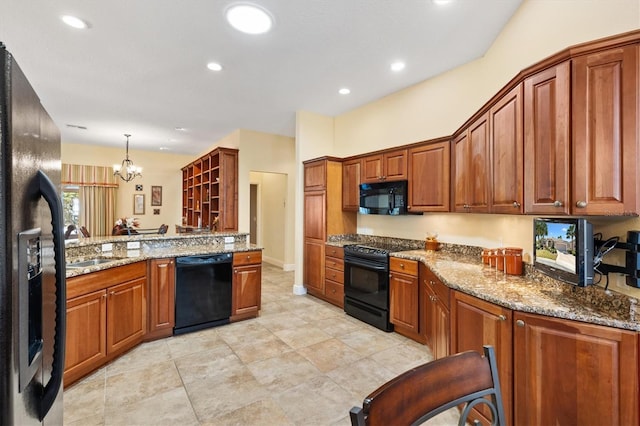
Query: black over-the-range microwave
[[388, 198]]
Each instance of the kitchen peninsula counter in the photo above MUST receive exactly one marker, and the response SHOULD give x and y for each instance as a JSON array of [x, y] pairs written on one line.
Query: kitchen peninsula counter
[[150, 247]]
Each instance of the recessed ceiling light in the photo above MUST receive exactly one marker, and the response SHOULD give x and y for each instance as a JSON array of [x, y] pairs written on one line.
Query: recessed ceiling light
[[397, 66], [344, 91], [214, 66], [180, 129], [249, 18], [442, 2], [164, 148], [75, 22]]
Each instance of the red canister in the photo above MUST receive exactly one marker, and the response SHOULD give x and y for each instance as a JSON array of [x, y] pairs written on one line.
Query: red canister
[[500, 259], [485, 256], [513, 260]]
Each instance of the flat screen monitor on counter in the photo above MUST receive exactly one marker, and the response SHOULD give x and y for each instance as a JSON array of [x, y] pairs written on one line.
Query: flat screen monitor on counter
[[564, 249]]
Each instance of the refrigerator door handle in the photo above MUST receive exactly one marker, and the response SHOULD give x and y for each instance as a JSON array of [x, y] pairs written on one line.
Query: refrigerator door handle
[[49, 193]]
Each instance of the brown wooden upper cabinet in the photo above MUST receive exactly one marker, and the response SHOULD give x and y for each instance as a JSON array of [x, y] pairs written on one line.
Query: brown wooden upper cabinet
[[430, 177], [315, 176], [390, 165], [547, 141], [605, 132], [471, 167], [351, 184], [507, 175]]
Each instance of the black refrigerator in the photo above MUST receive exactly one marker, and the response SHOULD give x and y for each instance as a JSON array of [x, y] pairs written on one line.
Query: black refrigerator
[[32, 265]]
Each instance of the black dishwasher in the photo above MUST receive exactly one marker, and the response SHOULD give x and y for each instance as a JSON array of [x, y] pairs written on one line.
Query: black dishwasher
[[203, 292]]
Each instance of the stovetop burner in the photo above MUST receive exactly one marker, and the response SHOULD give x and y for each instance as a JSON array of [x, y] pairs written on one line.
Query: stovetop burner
[[377, 250]]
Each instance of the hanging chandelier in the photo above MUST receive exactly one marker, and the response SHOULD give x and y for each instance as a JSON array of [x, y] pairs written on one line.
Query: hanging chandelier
[[127, 171]]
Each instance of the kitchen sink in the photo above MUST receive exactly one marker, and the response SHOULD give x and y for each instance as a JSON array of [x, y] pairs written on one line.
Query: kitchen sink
[[91, 262]]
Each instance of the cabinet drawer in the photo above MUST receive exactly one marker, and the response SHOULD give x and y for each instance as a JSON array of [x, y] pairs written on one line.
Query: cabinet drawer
[[247, 258], [334, 291], [99, 280], [334, 263], [404, 266], [334, 275], [334, 251]]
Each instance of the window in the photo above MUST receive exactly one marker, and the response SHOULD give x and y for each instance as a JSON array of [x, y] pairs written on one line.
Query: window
[[71, 210]]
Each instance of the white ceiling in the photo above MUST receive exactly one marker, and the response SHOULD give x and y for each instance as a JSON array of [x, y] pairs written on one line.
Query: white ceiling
[[141, 67]]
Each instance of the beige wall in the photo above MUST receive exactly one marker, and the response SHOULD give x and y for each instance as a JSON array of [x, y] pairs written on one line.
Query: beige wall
[[158, 169], [271, 217], [263, 152], [439, 106]]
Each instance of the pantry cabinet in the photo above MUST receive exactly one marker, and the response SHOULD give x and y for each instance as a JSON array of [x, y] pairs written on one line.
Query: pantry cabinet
[[471, 168], [162, 274], [246, 285], [605, 132], [429, 175], [475, 323], [323, 216], [547, 126], [106, 316], [569, 372], [391, 165]]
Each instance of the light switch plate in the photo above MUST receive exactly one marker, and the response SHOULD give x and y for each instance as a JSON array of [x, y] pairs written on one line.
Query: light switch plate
[[133, 245], [107, 247], [228, 240]]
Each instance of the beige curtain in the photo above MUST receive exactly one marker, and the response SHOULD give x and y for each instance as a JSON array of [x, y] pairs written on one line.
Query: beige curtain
[[98, 211], [97, 193]]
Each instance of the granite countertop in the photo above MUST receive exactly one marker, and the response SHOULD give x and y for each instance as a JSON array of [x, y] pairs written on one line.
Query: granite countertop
[[150, 248], [538, 295]]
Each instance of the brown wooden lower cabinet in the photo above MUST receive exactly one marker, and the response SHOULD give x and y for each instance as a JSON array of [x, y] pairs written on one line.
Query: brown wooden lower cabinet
[[106, 316], [475, 323], [162, 277], [246, 285], [404, 298], [435, 299], [86, 344], [568, 372], [334, 275]]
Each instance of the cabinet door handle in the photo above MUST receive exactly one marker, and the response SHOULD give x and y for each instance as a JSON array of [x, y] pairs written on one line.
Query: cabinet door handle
[[581, 204], [111, 293], [557, 203], [502, 318], [333, 290], [402, 266], [235, 271], [432, 282], [516, 204], [248, 257], [520, 323], [104, 296]]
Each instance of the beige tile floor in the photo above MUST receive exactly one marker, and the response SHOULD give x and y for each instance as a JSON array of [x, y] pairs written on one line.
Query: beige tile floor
[[302, 362]]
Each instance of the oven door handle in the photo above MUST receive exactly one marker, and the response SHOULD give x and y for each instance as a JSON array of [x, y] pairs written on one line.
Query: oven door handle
[[376, 266]]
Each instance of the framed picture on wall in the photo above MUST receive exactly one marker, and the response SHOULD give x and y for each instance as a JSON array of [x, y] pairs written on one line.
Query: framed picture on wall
[[156, 195], [138, 204]]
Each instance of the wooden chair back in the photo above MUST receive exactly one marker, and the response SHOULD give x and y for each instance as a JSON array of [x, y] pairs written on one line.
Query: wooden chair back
[[84, 231], [432, 388]]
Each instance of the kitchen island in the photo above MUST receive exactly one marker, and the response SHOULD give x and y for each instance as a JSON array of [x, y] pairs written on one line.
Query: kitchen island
[[122, 291]]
